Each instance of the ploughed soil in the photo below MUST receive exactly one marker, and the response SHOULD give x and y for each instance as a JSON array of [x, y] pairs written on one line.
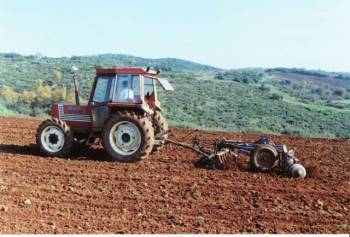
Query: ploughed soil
[[166, 193]]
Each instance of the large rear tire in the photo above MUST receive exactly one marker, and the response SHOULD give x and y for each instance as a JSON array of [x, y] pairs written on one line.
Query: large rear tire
[[54, 138], [264, 158], [161, 129], [128, 136]]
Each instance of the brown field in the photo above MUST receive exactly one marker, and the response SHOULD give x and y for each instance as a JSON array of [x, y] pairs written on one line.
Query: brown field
[[86, 193]]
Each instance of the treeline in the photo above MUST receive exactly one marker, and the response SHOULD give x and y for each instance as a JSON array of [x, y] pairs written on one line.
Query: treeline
[[246, 76], [21, 72], [306, 72], [166, 64]]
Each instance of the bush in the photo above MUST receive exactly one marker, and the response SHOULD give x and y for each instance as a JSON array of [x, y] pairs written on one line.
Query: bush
[[264, 87], [339, 92], [276, 96]]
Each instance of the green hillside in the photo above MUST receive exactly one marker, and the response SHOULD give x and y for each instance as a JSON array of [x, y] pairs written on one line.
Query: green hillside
[[258, 100]]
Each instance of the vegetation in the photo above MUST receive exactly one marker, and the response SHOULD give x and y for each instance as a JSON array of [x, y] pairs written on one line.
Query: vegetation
[[316, 73], [256, 100], [230, 105], [246, 76]]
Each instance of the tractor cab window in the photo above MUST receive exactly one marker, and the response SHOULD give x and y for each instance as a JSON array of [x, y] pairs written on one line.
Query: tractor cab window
[[149, 88], [103, 92], [128, 89]]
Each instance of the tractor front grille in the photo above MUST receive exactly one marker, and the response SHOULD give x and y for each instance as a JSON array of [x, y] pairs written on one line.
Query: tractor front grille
[[72, 117]]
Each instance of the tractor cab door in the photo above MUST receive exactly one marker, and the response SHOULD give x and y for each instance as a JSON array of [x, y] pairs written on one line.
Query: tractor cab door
[[150, 92], [103, 94], [127, 90]]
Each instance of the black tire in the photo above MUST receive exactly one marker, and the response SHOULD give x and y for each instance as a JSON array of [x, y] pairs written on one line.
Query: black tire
[[161, 130], [144, 126], [264, 158], [68, 137]]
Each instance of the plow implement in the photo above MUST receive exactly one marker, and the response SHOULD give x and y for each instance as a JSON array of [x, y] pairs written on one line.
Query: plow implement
[[264, 155]]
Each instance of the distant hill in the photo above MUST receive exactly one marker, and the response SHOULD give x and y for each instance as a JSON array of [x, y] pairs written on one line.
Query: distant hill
[[278, 100], [21, 72], [165, 64]]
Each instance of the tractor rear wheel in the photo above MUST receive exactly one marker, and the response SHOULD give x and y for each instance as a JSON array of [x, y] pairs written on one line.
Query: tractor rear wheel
[[264, 158], [128, 136], [54, 138], [161, 129]]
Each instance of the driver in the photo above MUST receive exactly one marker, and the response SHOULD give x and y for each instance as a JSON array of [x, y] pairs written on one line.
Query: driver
[[126, 94]]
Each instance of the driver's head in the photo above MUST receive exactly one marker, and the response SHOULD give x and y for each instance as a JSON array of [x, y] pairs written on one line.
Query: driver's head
[[125, 84]]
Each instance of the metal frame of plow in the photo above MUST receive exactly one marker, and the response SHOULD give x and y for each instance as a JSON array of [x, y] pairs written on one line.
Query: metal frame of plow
[[224, 149]]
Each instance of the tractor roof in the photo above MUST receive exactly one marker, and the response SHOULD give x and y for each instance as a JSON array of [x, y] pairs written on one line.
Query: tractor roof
[[125, 70]]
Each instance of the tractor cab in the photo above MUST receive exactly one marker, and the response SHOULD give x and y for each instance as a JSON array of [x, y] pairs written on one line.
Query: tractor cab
[[129, 87]]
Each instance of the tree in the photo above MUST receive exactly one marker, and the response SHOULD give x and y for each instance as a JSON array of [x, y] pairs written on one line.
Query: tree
[[27, 97], [57, 75], [339, 92], [70, 95], [43, 93], [59, 94], [8, 94], [276, 96]]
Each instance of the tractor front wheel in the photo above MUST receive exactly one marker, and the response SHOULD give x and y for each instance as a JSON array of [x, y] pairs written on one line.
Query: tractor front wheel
[[54, 138], [128, 136]]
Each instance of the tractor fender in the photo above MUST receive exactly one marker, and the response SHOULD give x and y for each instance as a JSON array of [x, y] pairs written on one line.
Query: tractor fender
[[159, 109]]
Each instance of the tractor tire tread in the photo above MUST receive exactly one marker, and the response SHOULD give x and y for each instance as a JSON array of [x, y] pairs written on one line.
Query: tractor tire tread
[[161, 130], [68, 135], [144, 122]]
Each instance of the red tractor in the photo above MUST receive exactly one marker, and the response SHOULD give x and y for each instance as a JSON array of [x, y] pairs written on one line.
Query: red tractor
[[123, 112]]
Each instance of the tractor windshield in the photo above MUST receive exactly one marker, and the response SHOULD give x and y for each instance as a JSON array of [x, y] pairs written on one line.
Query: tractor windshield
[[127, 89], [103, 89]]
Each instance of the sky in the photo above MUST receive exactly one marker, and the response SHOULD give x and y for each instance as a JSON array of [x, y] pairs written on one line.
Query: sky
[[311, 34]]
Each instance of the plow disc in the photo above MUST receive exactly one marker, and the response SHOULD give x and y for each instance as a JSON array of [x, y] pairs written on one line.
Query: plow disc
[[218, 161]]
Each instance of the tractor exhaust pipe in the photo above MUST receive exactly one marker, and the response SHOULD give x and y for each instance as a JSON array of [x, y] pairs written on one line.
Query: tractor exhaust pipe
[[76, 91]]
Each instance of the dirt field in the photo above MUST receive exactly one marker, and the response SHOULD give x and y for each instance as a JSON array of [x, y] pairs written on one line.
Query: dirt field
[[86, 193]]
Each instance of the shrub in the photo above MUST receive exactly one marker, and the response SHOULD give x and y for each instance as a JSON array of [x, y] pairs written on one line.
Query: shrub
[[339, 92], [276, 96]]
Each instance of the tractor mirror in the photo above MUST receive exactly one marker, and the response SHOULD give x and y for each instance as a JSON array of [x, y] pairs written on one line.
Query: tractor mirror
[[165, 84]]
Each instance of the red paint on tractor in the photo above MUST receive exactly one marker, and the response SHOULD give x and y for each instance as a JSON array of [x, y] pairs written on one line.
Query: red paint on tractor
[[124, 70], [54, 110]]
